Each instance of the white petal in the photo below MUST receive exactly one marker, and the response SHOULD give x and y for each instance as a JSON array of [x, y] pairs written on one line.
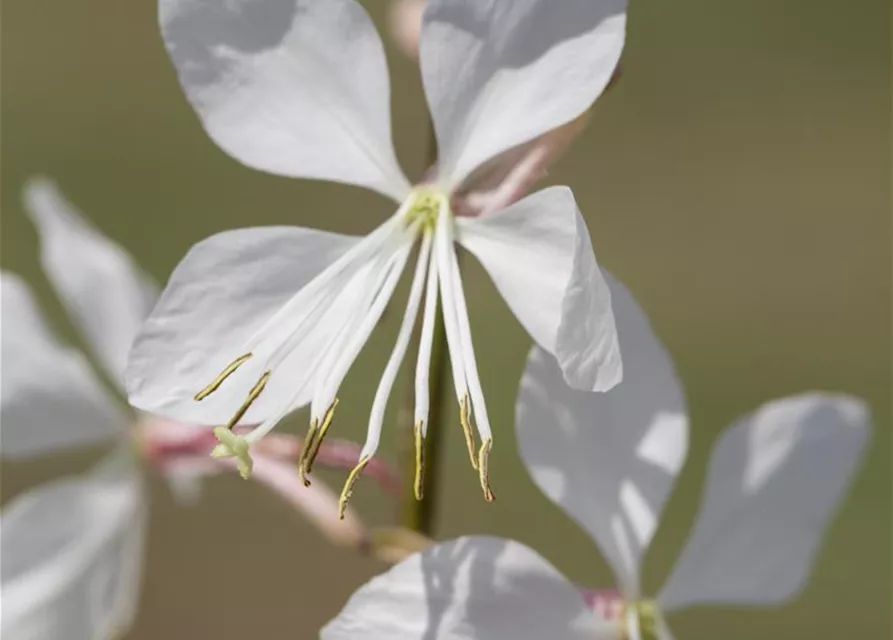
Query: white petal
[[609, 460], [222, 292], [498, 73], [293, 87], [107, 294], [539, 255], [473, 588], [775, 480], [50, 398], [71, 560]]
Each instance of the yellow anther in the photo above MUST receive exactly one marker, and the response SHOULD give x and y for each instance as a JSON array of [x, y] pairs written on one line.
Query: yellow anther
[[347, 491], [313, 449], [418, 487], [256, 390], [219, 380], [483, 469], [468, 430], [234, 446], [305, 451]]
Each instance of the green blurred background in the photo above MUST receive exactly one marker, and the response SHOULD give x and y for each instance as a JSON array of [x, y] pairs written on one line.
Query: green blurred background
[[737, 179]]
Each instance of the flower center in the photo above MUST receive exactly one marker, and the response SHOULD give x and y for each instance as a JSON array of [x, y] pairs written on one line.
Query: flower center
[[639, 621], [347, 299]]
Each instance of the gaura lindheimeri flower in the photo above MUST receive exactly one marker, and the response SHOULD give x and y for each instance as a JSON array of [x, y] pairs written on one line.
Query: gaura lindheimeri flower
[[72, 548], [257, 322], [609, 461]]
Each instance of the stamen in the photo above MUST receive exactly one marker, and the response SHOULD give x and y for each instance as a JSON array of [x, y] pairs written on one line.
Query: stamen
[[419, 481], [471, 369], [379, 404], [442, 251], [483, 469], [256, 390], [305, 451], [468, 430], [219, 380], [384, 290], [347, 491], [426, 342], [313, 450]]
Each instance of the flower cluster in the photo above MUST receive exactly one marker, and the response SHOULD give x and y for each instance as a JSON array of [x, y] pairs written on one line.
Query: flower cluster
[[256, 323]]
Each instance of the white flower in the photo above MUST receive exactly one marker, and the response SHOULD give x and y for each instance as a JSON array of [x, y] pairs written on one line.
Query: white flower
[[72, 548], [257, 322], [609, 461]]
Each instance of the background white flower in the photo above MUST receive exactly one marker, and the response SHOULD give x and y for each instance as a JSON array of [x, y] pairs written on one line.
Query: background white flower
[[609, 461], [271, 319], [72, 548]]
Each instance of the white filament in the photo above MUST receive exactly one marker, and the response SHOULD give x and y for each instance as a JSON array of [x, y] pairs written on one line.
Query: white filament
[[366, 285], [349, 354], [481, 418], [322, 285], [380, 403], [426, 340], [442, 250]]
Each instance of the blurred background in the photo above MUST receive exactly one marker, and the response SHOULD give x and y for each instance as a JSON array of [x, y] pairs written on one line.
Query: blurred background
[[737, 179]]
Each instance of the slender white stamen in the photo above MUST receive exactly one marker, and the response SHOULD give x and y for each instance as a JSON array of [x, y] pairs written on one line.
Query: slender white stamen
[[369, 284], [426, 340], [379, 404], [319, 289], [472, 378], [364, 282], [442, 250], [372, 316]]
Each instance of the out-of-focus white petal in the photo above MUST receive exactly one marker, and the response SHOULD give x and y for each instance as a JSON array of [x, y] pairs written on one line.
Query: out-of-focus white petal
[[50, 398], [293, 87], [609, 460], [473, 588], [107, 294], [775, 480], [539, 255], [498, 73], [71, 559], [219, 295]]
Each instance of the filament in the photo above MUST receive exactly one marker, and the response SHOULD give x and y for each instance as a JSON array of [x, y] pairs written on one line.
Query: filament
[[426, 340], [379, 404]]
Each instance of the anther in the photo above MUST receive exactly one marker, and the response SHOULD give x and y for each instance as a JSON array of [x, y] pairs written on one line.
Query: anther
[[305, 451], [314, 446], [419, 481], [468, 430], [256, 390], [347, 491], [219, 380], [483, 469]]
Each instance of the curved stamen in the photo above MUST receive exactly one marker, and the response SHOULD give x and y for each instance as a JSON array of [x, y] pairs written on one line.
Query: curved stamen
[[379, 404], [358, 339], [426, 341], [471, 368], [442, 249]]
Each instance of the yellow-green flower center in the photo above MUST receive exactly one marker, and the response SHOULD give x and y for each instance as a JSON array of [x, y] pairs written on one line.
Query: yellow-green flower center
[[426, 206], [645, 614]]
